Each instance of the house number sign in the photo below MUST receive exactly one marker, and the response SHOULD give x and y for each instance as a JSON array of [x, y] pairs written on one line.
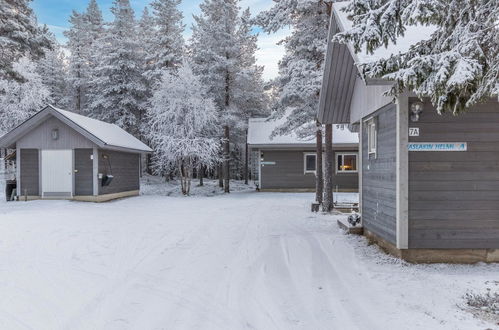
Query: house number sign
[[413, 131]]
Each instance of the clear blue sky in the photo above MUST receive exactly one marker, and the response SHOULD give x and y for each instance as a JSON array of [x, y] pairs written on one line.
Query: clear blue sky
[[55, 13]]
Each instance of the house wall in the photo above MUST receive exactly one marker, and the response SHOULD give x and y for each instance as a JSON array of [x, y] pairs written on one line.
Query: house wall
[[125, 167], [29, 172], [367, 99], [41, 137], [453, 196], [288, 172], [379, 177]]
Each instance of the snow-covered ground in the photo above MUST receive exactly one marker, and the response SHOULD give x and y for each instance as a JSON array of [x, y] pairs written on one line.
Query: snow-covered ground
[[243, 261]]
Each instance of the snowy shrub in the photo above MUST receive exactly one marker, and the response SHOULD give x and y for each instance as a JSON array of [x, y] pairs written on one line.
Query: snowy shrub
[[488, 302], [182, 122]]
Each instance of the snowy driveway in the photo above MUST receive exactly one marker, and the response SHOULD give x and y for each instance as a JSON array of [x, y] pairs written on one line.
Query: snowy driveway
[[245, 261]]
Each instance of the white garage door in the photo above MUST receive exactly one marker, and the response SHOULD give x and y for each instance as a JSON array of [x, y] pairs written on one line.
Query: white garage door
[[57, 173]]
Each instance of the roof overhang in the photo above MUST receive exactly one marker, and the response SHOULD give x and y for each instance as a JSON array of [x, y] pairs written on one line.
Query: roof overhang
[[299, 146], [340, 73]]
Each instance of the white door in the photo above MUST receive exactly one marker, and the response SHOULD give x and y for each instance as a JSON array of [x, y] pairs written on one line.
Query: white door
[[57, 173]]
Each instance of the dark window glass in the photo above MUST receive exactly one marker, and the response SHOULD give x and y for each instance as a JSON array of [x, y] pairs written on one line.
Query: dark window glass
[[310, 163]]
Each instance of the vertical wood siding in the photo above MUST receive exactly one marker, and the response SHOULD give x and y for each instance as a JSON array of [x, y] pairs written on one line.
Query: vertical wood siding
[[454, 196], [41, 137], [30, 172], [84, 175], [288, 171], [379, 177], [124, 167]]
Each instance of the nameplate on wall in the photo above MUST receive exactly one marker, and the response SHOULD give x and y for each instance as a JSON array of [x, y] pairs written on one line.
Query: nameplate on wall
[[437, 146], [267, 163]]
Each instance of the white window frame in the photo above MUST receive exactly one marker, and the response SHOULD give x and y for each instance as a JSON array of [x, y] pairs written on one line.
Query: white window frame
[[305, 171], [343, 154], [372, 137]]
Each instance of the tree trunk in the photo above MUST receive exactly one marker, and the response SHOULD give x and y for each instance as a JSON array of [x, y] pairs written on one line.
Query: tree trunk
[[328, 171], [201, 175], [226, 163], [319, 179], [220, 175], [246, 160]]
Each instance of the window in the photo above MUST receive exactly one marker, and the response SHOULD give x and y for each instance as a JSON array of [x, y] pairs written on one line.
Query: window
[[346, 163], [372, 136], [310, 163]]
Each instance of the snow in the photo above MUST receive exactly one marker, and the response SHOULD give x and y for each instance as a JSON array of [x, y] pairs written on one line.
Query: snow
[[241, 261], [260, 130], [412, 35], [110, 134]]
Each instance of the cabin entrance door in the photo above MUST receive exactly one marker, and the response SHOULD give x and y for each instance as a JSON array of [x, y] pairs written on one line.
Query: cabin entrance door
[[57, 173]]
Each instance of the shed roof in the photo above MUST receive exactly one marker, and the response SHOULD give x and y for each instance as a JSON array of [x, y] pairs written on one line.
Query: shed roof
[[104, 135], [260, 131]]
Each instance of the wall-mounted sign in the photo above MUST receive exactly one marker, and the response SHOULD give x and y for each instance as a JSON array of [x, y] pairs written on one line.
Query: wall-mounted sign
[[267, 163], [413, 131], [438, 146]]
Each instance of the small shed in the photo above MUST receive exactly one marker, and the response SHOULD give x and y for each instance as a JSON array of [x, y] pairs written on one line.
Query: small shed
[[288, 163], [429, 183], [63, 155]]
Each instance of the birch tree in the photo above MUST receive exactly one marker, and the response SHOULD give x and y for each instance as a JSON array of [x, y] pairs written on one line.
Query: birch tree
[[182, 121]]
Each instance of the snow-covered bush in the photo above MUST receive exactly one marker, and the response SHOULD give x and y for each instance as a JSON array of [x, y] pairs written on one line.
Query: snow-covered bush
[[21, 99], [181, 125], [488, 302]]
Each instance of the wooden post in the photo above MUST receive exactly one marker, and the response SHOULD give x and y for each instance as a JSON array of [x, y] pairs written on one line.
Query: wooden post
[[327, 205], [319, 177]]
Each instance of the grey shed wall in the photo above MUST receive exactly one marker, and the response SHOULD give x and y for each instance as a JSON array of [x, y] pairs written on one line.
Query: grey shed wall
[[454, 196], [41, 137], [83, 178], [124, 166], [379, 177], [288, 171]]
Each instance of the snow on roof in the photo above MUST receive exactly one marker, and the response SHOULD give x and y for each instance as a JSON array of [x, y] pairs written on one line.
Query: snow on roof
[[412, 35], [110, 134], [260, 130]]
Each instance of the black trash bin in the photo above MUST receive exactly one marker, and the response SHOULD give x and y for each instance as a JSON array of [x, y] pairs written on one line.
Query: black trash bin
[[10, 185]]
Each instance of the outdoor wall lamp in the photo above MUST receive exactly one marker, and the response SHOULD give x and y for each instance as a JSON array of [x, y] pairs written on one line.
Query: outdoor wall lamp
[[416, 110], [55, 134]]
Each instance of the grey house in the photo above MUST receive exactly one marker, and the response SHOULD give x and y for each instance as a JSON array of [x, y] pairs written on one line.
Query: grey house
[[63, 155], [287, 163], [429, 183]]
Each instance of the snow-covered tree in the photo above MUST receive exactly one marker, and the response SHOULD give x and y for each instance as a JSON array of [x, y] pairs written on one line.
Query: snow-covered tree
[[456, 67], [21, 99], [301, 68], [83, 36], [118, 87], [19, 35], [52, 71], [182, 121], [168, 50], [223, 51]]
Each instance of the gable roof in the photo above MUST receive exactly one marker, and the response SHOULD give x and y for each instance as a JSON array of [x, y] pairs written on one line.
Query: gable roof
[[104, 135], [341, 66], [260, 131]]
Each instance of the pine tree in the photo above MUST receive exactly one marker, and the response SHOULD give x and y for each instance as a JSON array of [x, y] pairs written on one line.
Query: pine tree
[[223, 50], [83, 36], [168, 39], [147, 32], [51, 69], [118, 86], [182, 121], [21, 99], [19, 35], [456, 67], [300, 70]]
